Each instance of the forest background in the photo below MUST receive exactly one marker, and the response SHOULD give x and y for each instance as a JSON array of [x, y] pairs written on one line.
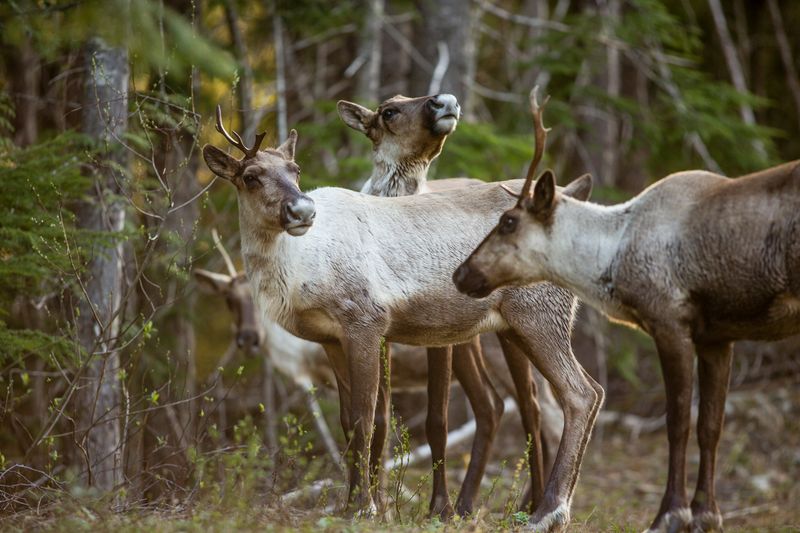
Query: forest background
[[138, 405]]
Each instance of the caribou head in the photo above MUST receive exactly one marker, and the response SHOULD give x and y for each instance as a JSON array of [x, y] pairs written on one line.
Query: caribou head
[[235, 288], [522, 238], [266, 181], [405, 131]]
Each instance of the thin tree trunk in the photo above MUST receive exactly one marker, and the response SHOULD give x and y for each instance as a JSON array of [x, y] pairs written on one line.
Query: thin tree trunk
[[25, 74], [245, 87], [104, 117], [734, 67], [786, 54], [369, 76], [280, 75], [453, 23]]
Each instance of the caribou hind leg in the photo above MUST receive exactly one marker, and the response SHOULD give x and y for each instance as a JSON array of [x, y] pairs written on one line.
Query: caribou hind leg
[[439, 376], [487, 406], [713, 372]]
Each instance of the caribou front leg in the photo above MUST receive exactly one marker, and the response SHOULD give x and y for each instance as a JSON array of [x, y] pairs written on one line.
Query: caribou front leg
[[713, 373], [362, 349], [676, 353], [381, 429], [521, 373]]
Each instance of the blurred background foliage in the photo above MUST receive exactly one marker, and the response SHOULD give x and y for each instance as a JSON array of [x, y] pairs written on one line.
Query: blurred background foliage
[[638, 89]]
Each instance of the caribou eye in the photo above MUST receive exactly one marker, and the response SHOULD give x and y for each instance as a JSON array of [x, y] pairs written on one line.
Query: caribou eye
[[251, 181], [507, 225], [387, 114]]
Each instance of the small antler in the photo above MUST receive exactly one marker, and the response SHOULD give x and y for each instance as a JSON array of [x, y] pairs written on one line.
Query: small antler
[[540, 135], [236, 140], [224, 253]]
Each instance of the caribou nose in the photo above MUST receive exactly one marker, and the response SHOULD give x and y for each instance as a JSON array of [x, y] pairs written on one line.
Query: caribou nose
[[298, 215], [445, 104], [302, 209], [247, 339], [471, 282]]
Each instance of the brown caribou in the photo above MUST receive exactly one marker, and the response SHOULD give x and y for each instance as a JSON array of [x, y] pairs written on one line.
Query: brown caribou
[[697, 261]]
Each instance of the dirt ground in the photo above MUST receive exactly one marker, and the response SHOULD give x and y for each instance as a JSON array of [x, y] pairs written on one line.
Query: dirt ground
[[619, 490]]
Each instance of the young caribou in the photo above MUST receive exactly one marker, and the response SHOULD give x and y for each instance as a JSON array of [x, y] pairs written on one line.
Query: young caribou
[[406, 135], [697, 260], [331, 267]]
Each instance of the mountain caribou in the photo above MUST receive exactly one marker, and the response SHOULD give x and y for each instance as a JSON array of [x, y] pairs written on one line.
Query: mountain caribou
[[697, 261], [407, 134], [330, 266]]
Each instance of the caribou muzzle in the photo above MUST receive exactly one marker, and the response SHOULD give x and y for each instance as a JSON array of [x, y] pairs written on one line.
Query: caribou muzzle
[[248, 340], [471, 281], [445, 113], [297, 215]]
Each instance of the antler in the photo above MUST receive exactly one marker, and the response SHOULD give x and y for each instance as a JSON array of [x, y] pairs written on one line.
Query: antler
[[540, 135], [236, 140], [224, 253]]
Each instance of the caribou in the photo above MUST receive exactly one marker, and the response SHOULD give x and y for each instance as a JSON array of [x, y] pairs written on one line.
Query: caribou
[[331, 267], [407, 134], [697, 261]]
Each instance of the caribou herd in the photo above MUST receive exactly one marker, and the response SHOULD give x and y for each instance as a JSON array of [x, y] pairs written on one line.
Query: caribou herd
[[697, 261]]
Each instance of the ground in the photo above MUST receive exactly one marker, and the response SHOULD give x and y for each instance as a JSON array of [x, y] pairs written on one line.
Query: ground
[[619, 489]]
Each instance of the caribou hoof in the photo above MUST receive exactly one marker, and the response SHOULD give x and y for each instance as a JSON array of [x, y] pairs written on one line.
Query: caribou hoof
[[365, 511], [675, 521], [706, 521], [552, 522], [441, 507]]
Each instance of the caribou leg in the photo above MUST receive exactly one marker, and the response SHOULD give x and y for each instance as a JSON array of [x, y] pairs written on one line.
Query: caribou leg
[[521, 372], [675, 351], [439, 372], [713, 372], [381, 425], [580, 399], [487, 406], [362, 349]]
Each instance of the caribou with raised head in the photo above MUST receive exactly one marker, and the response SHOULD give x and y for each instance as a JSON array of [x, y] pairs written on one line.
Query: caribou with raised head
[[330, 266], [697, 260], [407, 134]]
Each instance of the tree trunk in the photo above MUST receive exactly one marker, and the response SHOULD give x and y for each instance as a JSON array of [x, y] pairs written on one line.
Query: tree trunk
[[786, 54], [25, 74], [245, 87], [734, 67], [450, 22], [369, 76], [104, 116]]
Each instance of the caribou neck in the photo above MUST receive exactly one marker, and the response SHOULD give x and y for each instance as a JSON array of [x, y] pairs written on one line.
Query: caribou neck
[[585, 242], [266, 254], [396, 178]]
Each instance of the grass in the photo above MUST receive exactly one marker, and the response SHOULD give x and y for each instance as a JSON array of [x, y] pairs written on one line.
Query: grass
[[619, 490]]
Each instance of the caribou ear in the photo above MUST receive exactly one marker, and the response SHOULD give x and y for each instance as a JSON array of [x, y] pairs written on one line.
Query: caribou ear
[[222, 164], [287, 148], [580, 188], [354, 115], [212, 281], [544, 194]]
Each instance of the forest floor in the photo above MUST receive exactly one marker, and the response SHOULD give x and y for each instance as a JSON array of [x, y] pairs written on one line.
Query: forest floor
[[619, 490]]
